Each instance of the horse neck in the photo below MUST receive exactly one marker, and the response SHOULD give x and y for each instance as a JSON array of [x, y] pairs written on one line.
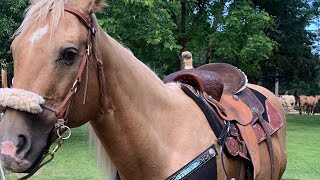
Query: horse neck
[[133, 94]]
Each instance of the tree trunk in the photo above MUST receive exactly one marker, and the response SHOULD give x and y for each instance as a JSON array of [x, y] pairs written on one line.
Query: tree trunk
[[4, 77], [218, 16], [183, 38], [183, 25]]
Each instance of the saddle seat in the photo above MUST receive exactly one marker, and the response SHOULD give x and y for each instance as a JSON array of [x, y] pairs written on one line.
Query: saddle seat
[[233, 79], [219, 82]]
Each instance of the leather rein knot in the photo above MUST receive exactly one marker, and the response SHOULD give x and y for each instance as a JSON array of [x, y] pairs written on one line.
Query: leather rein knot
[[63, 112]]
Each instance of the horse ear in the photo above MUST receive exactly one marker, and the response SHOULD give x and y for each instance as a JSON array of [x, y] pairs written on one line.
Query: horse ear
[[97, 5]]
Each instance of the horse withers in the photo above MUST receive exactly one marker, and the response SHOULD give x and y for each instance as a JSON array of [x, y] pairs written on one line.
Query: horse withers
[[71, 73]]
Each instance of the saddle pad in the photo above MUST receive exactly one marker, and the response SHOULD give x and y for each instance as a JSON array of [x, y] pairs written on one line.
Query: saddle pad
[[275, 122]]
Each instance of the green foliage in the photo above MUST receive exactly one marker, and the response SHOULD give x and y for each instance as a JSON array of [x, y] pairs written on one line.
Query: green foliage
[[261, 38], [241, 39], [11, 15], [315, 8], [293, 60], [11, 12], [143, 2], [144, 28]]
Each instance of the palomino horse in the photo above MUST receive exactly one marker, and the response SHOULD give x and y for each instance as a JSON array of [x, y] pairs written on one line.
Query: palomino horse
[[149, 129], [308, 102]]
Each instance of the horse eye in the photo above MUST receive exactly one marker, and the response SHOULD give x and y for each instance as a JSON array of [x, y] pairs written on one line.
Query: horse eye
[[68, 56]]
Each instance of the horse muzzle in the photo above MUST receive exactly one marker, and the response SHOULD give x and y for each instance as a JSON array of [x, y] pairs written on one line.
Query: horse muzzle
[[12, 155]]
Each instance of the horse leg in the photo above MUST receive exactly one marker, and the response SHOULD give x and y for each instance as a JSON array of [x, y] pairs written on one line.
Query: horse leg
[[313, 109], [309, 110], [300, 109]]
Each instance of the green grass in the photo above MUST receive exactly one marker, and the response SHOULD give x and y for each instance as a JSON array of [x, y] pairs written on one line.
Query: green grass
[[76, 160], [303, 147]]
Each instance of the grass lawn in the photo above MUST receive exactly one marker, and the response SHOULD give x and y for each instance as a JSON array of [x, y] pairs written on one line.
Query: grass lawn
[[75, 159], [303, 147]]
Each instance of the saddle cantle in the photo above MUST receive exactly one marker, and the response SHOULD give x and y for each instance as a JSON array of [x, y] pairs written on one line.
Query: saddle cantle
[[203, 80]]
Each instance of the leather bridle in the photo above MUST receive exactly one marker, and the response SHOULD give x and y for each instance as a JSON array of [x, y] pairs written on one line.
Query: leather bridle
[[64, 108]]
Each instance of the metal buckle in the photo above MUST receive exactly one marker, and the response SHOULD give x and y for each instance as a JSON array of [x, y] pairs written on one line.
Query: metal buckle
[[75, 86], [88, 49], [227, 123], [93, 30]]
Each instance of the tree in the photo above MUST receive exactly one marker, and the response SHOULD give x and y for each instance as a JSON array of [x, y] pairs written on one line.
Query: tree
[[157, 29], [293, 59], [316, 12], [146, 29], [261, 37], [11, 12], [241, 39]]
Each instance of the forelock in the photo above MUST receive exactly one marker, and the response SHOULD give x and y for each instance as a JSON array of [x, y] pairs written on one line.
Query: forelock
[[38, 12]]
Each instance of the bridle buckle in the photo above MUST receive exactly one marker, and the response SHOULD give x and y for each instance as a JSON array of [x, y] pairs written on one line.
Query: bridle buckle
[[74, 87]]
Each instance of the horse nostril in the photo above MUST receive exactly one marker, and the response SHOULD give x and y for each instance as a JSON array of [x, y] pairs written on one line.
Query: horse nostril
[[22, 141]]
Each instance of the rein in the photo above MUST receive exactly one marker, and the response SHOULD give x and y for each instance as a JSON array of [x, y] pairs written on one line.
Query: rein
[[64, 109]]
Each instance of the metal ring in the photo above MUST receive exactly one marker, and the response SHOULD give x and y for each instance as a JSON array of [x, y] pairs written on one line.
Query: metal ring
[[61, 128]]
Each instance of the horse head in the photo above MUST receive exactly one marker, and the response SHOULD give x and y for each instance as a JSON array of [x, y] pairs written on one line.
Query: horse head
[[48, 50]]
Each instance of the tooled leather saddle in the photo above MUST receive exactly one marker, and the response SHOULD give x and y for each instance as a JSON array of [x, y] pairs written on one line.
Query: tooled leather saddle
[[245, 117]]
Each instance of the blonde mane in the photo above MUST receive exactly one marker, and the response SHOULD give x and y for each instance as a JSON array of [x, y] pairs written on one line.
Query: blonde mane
[[38, 12], [106, 165]]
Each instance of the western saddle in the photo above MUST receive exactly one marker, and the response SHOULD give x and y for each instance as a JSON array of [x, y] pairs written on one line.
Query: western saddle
[[241, 114]]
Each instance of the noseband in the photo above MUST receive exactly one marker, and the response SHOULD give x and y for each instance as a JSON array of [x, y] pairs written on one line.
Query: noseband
[[63, 112]]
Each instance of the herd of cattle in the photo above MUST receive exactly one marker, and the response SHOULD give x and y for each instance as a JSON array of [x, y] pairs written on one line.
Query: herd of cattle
[[305, 104]]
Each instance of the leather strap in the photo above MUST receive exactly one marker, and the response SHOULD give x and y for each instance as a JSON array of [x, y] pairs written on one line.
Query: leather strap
[[102, 85], [63, 111], [270, 146], [80, 15], [251, 142]]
